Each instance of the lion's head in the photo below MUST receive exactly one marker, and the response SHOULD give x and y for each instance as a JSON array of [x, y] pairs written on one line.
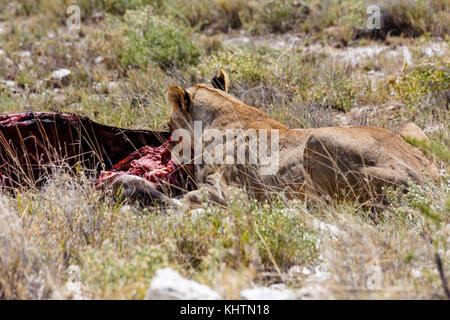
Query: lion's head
[[213, 105], [187, 106]]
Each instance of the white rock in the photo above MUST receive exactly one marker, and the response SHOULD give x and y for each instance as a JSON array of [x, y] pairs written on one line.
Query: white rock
[[295, 270], [299, 271], [434, 49], [8, 83], [416, 273], [25, 54], [334, 231], [265, 293], [306, 271], [60, 74], [98, 60], [168, 284], [98, 86], [112, 85], [407, 55]]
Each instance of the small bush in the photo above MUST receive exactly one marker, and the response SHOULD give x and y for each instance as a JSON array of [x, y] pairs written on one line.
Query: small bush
[[219, 15], [154, 39], [246, 66], [337, 94], [249, 232], [276, 16], [414, 18], [116, 6], [441, 151], [427, 78], [57, 8]]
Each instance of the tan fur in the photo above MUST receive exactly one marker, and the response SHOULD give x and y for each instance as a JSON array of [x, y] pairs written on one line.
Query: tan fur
[[342, 162], [411, 130]]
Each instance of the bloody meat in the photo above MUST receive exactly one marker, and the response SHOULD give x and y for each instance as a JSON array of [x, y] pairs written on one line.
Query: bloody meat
[[31, 141], [154, 164]]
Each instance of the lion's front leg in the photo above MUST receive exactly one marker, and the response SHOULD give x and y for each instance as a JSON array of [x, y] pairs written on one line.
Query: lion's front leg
[[213, 190]]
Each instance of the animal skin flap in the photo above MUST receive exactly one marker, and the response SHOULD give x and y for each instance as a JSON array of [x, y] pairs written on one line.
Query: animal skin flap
[[33, 140]]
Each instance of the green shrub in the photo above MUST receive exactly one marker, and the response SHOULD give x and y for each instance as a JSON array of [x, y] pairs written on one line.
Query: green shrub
[[337, 94], [441, 151], [116, 6], [221, 15], [427, 78], [276, 16], [57, 8], [244, 65], [266, 234], [154, 39]]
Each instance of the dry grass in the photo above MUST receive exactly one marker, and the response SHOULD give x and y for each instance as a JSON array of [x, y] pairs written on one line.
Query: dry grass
[[45, 233], [118, 247]]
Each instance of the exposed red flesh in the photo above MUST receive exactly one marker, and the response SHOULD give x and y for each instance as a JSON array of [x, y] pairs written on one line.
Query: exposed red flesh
[[153, 164], [31, 140]]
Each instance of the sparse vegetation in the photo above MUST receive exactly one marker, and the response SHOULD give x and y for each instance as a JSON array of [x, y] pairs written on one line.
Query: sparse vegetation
[[428, 79], [151, 39], [123, 59]]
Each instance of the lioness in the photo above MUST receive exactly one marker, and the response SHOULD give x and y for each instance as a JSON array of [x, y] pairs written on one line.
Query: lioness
[[341, 162]]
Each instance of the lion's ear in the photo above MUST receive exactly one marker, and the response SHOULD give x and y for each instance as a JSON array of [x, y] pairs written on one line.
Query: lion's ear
[[179, 98], [221, 81]]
